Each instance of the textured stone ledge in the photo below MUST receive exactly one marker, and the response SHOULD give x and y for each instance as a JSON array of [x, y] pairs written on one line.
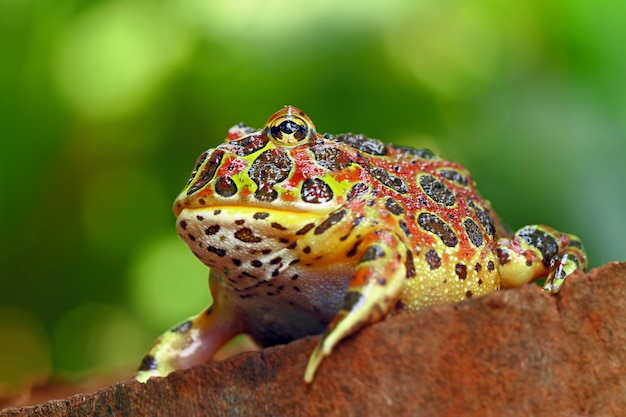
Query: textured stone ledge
[[516, 352]]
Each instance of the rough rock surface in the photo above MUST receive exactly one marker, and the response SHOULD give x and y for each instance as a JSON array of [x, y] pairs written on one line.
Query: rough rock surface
[[515, 352]]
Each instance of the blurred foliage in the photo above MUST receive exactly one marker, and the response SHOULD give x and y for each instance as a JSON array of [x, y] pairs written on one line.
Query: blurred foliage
[[106, 104]]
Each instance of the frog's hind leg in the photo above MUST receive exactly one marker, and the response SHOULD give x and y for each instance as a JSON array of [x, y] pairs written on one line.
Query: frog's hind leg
[[539, 251], [372, 291], [193, 341]]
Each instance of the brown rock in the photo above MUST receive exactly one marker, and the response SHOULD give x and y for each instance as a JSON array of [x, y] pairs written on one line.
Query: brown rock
[[515, 352]]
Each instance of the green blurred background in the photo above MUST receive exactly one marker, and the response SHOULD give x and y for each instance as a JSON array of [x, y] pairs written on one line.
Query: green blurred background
[[105, 105]]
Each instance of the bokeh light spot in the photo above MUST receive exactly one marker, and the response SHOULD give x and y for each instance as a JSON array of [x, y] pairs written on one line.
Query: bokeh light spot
[[112, 60], [97, 337], [167, 283], [24, 349]]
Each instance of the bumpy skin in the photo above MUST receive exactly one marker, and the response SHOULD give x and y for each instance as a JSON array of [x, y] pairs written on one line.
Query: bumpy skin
[[307, 233]]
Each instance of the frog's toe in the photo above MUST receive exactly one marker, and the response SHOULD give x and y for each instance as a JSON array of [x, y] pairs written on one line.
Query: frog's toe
[[190, 343], [565, 266]]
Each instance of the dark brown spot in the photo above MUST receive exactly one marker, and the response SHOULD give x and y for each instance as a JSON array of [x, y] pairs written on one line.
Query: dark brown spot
[[192, 237], [431, 223], [225, 187], [207, 173], [473, 232], [490, 266], [371, 253], [393, 206], [404, 228], [276, 260], [239, 222], [200, 218], [460, 270], [305, 228], [432, 259], [437, 190], [260, 215], [148, 363], [484, 217], [183, 224], [351, 299], [353, 250], [395, 183], [199, 162], [332, 159], [363, 143], [246, 235], [256, 263], [294, 277], [332, 220], [278, 226], [468, 294], [478, 267], [503, 256], [454, 176], [211, 230], [249, 144], [306, 249], [546, 243], [316, 191], [420, 153], [249, 275], [182, 327], [357, 190], [219, 252], [268, 169], [410, 265], [237, 262]]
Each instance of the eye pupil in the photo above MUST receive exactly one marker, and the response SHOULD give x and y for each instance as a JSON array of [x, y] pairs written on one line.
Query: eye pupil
[[290, 128]]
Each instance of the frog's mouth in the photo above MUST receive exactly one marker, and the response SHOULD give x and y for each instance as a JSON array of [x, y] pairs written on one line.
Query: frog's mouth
[[248, 202]]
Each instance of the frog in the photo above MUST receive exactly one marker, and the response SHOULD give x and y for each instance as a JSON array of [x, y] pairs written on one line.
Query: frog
[[323, 234]]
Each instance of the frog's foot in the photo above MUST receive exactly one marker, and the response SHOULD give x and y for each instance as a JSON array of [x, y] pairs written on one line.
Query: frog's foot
[[372, 291], [539, 251], [190, 343]]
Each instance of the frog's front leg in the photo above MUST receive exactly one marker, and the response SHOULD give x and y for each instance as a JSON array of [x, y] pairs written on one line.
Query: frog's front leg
[[539, 251], [193, 341], [377, 282]]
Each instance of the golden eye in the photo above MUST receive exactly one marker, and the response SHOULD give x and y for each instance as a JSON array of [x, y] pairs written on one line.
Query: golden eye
[[289, 127]]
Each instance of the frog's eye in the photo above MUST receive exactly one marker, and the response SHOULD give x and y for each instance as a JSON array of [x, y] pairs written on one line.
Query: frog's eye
[[290, 127]]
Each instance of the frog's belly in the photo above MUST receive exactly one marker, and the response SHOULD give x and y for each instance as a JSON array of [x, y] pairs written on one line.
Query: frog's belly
[[282, 309]]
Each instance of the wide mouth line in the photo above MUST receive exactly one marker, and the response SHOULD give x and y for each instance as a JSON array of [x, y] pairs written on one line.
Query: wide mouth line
[[291, 210]]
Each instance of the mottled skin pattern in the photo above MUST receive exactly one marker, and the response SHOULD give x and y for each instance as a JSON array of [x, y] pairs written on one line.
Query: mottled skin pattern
[[307, 233]]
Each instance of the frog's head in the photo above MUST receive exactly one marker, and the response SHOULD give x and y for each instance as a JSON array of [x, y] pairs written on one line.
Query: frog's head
[[251, 199], [286, 165]]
